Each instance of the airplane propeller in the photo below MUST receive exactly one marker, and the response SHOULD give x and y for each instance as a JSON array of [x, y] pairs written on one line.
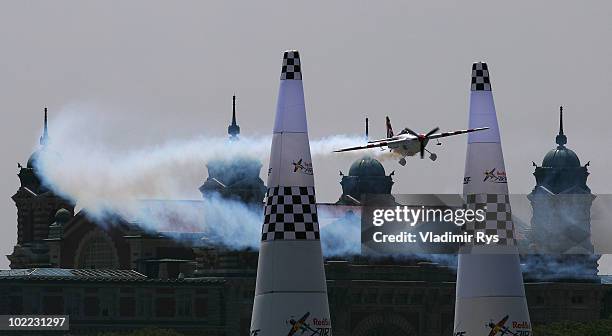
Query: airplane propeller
[[422, 138]]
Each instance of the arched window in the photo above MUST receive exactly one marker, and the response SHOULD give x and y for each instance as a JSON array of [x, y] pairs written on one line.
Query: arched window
[[384, 324], [97, 251]]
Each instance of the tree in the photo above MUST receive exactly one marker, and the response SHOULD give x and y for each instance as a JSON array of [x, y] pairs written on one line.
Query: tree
[[571, 328]]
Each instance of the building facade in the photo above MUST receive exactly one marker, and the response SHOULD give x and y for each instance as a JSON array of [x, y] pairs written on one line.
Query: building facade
[[115, 276], [403, 300]]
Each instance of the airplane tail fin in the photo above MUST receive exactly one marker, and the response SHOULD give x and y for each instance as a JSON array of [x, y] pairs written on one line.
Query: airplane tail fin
[[366, 130], [389, 128]]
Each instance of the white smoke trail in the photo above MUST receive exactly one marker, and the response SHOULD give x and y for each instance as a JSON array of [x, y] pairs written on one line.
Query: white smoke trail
[[219, 221], [96, 176], [106, 180], [325, 146], [99, 177], [340, 235]]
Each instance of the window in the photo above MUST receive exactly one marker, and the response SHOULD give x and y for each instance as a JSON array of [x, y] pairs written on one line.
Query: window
[[402, 298], [92, 306], [32, 300], [184, 305], [145, 303], [53, 305], [165, 307], [201, 307], [73, 303], [15, 304], [127, 306], [97, 251], [108, 302], [577, 299]]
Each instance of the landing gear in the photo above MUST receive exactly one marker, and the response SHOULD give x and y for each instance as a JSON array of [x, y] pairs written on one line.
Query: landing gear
[[432, 156], [402, 161]]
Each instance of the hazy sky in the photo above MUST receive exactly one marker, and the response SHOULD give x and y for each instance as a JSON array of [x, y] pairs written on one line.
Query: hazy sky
[[157, 71]]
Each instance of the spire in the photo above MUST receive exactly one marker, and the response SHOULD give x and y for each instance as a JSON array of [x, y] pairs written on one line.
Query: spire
[[233, 130], [44, 139], [233, 110], [561, 138]]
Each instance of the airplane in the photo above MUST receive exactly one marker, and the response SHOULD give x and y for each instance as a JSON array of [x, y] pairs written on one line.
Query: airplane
[[408, 142], [500, 327], [300, 325]]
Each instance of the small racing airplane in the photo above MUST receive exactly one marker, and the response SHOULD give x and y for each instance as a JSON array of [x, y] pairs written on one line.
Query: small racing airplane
[[500, 327], [300, 325], [408, 142]]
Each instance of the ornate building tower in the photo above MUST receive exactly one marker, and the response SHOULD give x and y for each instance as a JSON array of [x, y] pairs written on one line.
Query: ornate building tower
[[560, 226], [235, 178], [36, 208], [366, 177]]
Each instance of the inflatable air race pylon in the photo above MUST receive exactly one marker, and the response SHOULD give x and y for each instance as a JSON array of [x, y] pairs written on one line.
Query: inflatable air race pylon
[[490, 298], [291, 293]]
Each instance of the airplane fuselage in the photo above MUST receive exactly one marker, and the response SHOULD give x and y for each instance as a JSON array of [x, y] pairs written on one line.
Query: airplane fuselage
[[409, 146]]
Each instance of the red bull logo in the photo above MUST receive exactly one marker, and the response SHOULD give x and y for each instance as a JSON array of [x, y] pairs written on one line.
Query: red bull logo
[[516, 328], [495, 176], [303, 167], [316, 327]]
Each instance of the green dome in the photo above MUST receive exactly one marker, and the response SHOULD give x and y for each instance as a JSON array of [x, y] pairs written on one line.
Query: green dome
[[367, 166], [62, 216], [33, 158], [561, 157], [46, 154]]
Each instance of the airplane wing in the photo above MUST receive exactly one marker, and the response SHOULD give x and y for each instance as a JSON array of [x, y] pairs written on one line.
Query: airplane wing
[[379, 140], [447, 134], [381, 143]]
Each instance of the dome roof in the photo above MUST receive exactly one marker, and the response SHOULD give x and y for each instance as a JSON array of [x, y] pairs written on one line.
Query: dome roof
[[62, 216], [33, 158], [367, 166], [46, 154], [561, 157], [232, 170]]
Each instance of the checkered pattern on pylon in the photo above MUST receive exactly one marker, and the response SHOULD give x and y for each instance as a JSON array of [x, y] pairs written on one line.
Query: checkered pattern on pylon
[[290, 214], [291, 65], [498, 217], [480, 77]]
